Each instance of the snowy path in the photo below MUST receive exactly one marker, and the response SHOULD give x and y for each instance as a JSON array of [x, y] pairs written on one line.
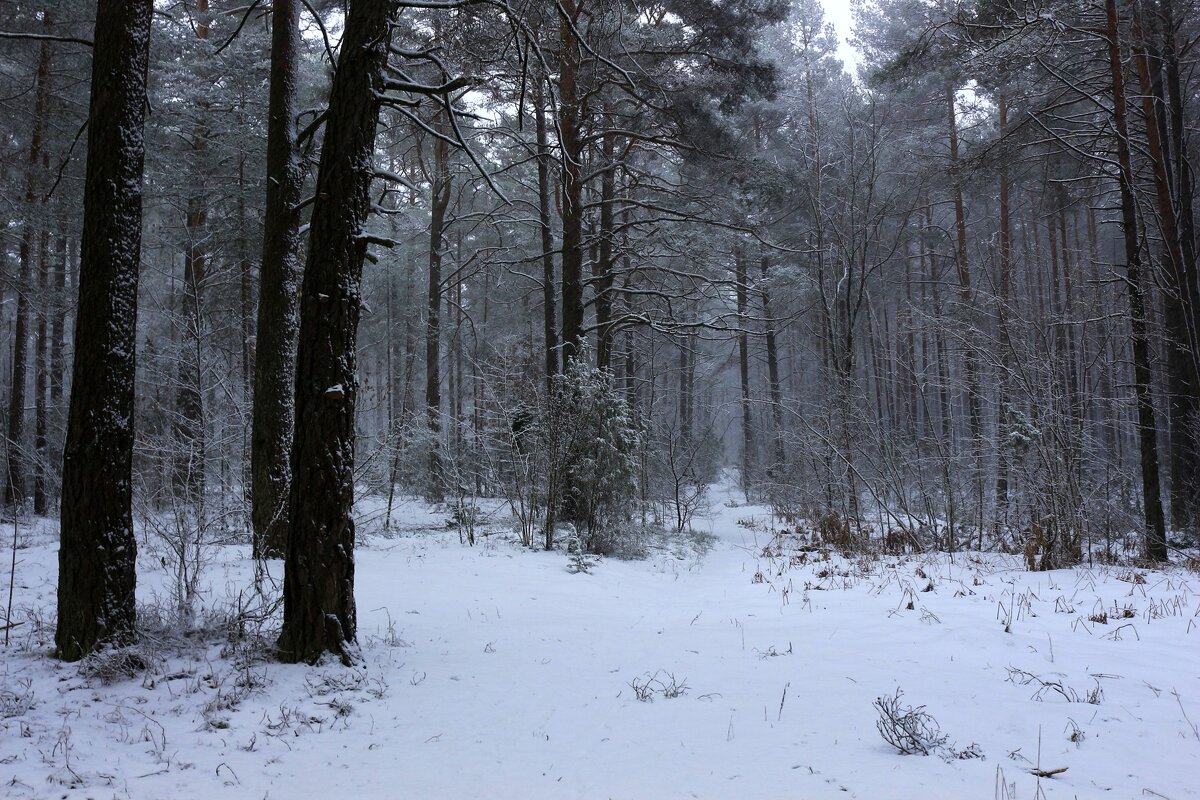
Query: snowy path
[[503, 675]]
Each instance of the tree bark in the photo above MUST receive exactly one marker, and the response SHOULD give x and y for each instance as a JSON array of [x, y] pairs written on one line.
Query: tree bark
[[602, 271], [571, 143], [774, 386], [98, 552], [318, 588], [58, 325], [439, 203], [1155, 533], [191, 456], [549, 315], [1004, 384], [742, 291], [41, 369], [279, 275], [14, 489], [1183, 382], [967, 298]]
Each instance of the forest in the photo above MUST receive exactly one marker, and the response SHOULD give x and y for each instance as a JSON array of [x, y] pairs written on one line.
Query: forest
[[290, 286]]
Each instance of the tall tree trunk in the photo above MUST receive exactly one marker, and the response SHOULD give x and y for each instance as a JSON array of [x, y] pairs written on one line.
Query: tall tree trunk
[[687, 381], [439, 203], [549, 316], [1184, 186], [456, 348], [58, 325], [1004, 384], [967, 298], [1156, 539], [906, 324], [602, 271], [97, 554], [774, 387], [278, 279], [41, 369], [571, 143], [191, 442], [944, 439], [1183, 382], [742, 289], [246, 313], [14, 489], [318, 586], [245, 287]]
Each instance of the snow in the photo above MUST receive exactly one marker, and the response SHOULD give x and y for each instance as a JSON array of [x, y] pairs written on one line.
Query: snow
[[494, 671]]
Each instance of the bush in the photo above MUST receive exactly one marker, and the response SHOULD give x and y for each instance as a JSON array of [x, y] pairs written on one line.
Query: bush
[[910, 730], [593, 428], [563, 452]]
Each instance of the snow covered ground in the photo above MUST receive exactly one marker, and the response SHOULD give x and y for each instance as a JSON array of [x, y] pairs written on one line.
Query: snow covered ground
[[496, 672]]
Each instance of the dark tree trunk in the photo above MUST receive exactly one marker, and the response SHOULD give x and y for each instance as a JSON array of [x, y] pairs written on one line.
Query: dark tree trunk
[[571, 143], [1183, 383], [41, 368], [98, 552], [1004, 388], [602, 271], [549, 316], [916, 365], [318, 586], [967, 298], [742, 295], [58, 326], [1183, 181], [1156, 539], [246, 306], [687, 385], [454, 311], [439, 204], [191, 456], [245, 286], [774, 386], [279, 274], [14, 489]]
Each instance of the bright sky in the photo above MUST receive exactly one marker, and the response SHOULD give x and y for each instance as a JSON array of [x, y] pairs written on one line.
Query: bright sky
[[841, 14]]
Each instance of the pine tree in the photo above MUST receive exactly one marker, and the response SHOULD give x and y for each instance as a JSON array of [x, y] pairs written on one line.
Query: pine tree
[[318, 588], [97, 554]]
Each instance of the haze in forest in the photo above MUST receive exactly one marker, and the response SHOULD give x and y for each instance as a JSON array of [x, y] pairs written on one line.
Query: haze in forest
[[888, 298]]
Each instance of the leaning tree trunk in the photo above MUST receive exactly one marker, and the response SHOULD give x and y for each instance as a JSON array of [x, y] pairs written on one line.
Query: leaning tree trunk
[[275, 353], [98, 553], [1156, 538], [318, 585]]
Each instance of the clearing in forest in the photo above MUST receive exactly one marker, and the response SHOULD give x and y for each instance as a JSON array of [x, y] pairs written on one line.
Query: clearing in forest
[[738, 662]]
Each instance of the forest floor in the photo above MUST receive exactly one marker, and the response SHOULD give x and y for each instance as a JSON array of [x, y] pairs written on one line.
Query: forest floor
[[733, 663]]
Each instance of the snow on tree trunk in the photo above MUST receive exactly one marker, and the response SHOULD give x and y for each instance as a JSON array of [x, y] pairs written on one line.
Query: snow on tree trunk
[[275, 356], [318, 588], [98, 551]]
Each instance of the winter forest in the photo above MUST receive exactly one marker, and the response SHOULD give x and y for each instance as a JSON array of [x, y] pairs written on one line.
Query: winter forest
[[599, 398]]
